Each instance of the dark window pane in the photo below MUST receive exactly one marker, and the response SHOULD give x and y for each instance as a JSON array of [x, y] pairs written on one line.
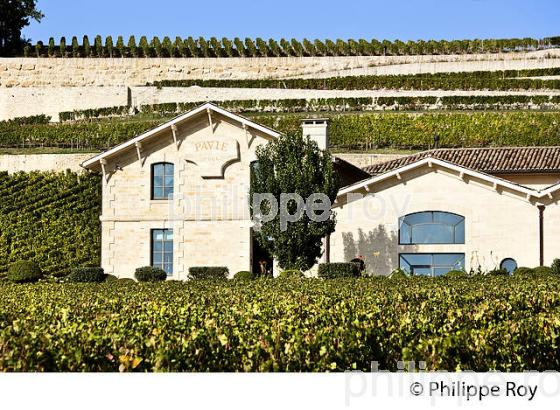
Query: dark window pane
[[418, 218], [509, 264], [158, 170], [168, 246], [157, 259], [167, 192], [168, 180], [158, 193], [460, 232], [422, 270], [157, 246], [431, 233], [447, 218], [441, 271], [168, 258]]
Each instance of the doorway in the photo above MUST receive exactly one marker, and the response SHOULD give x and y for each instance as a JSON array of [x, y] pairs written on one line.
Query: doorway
[[261, 261]]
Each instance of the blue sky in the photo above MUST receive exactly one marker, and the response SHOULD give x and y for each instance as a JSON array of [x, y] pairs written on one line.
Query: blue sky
[[404, 19]]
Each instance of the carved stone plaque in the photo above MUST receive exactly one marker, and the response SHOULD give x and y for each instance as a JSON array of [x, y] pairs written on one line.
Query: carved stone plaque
[[212, 153]]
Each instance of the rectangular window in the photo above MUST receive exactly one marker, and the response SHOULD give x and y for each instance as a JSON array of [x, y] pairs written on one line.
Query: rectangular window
[[162, 249], [162, 180], [431, 264]]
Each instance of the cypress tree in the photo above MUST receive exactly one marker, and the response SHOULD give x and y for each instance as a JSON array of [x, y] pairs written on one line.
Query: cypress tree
[[86, 47], [156, 46], [342, 48], [132, 46], [216, 47], [204, 49], [98, 45], [239, 47], [320, 48], [364, 48], [376, 47], [144, 46], [51, 50], [228, 47], [38, 48], [62, 46], [353, 47], [309, 47], [251, 48], [330, 47], [262, 47], [286, 47], [75, 47], [168, 47], [180, 47], [192, 47], [274, 48], [109, 46], [120, 47], [297, 47]]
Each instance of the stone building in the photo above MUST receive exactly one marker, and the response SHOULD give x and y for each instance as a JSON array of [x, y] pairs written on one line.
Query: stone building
[[177, 196]]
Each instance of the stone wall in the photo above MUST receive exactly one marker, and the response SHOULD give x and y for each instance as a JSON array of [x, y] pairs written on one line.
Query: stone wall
[[43, 162], [79, 72], [31, 86], [61, 162]]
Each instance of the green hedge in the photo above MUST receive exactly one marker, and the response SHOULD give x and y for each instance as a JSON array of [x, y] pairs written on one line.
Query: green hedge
[[150, 274], [339, 270], [50, 218], [353, 131], [208, 272], [476, 80], [87, 275], [480, 324], [24, 272], [202, 47]]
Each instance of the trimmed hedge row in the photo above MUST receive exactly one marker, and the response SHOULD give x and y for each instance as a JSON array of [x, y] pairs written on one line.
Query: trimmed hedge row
[[201, 47], [493, 323], [476, 80], [356, 131]]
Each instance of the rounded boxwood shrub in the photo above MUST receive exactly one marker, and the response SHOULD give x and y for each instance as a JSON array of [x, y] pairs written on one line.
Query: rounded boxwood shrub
[[555, 267], [399, 274], [126, 280], [339, 270], [290, 274], [208, 272], [523, 270], [244, 275], [498, 272], [543, 270], [111, 278], [456, 274], [150, 274], [87, 275], [24, 272]]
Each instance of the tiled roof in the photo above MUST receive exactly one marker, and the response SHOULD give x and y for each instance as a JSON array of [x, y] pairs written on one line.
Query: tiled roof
[[499, 160]]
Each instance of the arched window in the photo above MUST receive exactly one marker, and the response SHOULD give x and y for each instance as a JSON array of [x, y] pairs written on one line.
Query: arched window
[[508, 264], [431, 227], [162, 180]]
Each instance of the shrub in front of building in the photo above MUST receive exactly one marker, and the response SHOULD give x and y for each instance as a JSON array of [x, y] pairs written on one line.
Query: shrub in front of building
[[150, 274], [87, 274], [457, 274], [291, 274], [399, 274], [555, 266], [24, 272], [498, 272], [244, 275], [339, 270], [543, 270], [208, 272], [523, 270]]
